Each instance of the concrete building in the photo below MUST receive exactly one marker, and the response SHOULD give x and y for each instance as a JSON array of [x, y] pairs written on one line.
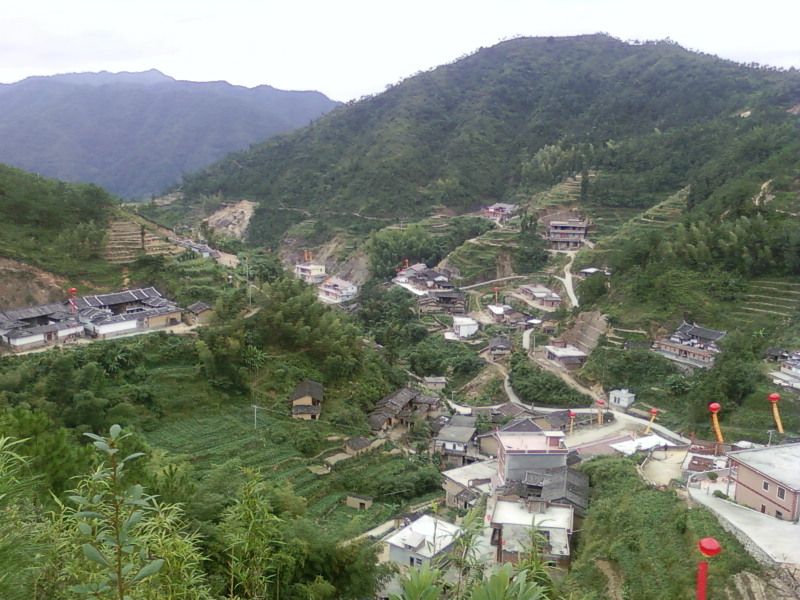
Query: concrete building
[[768, 480], [358, 501], [464, 485], [436, 384], [309, 272], [514, 520], [522, 451], [566, 355], [335, 290], [422, 541], [568, 234], [465, 327], [621, 398]]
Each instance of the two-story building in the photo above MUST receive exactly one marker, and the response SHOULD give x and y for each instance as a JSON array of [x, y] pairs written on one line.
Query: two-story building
[[309, 272], [336, 291], [522, 451], [456, 440], [306, 400], [768, 480]]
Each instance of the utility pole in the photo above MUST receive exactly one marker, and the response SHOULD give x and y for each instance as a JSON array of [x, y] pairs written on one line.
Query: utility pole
[[247, 283], [255, 415]]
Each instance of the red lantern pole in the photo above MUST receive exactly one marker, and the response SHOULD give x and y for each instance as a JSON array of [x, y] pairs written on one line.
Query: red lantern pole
[[708, 547], [653, 415], [773, 398], [714, 408], [572, 415], [600, 404]]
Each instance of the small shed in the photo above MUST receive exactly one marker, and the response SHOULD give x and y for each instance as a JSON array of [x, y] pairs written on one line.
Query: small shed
[[358, 501], [199, 313], [356, 445], [621, 398]]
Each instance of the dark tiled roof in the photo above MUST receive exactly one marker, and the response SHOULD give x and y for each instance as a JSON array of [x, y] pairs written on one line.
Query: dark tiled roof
[[41, 329], [703, 333], [377, 419], [525, 424], [305, 409], [308, 388], [450, 433], [500, 343], [561, 484], [32, 312], [113, 299], [462, 421], [198, 307], [357, 443]]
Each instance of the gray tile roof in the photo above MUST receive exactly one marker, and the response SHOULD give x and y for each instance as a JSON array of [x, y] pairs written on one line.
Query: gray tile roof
[[308, 388]]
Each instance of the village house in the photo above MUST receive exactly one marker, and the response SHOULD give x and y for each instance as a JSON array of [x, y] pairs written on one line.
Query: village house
[[499, 346], [500, 212], [691, 345], [522, 451], [768, 480], [487, 442], [422, 541], [336, 291], [455, 441], [306, 400], [568, 234], [621, 398], [450, 302], [566, 355], [464, 327], [99, 316], [357, 445], [419, 279], [309, 272], [358, 501], [542, 296], [557, 486], [401, 407], [436, 384], [463, 486], [514, 520], [199, 313]]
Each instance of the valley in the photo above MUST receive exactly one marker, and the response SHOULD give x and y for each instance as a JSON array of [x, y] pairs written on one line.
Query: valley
[[426, 312]]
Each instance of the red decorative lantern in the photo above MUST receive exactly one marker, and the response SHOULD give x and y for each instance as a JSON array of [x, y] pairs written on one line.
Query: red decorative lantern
[[708, 547], [774, 397], [714, 407]]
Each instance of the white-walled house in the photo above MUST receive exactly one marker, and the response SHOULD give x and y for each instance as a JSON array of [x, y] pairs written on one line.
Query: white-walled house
[[335, 290], [465, 327], [621, 398], [310, 272], [421, 541]]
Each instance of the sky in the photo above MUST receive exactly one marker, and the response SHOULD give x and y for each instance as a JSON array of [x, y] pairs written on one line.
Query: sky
[[351, 48]]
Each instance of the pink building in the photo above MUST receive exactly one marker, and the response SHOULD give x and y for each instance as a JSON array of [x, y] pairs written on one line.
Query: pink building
[[768, 480]]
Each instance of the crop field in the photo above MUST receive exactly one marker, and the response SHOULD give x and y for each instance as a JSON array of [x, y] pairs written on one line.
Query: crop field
[[212, 437]]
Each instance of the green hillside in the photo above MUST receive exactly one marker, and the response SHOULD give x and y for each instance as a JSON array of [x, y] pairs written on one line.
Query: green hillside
[[54, 225], [514, 119]]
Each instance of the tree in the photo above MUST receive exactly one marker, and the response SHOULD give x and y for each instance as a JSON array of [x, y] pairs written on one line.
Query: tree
[[119, 543]]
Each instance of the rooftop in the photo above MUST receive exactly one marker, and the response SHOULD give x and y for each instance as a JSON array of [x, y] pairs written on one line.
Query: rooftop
[[485, 469], [528, 441], [704, 333], [453, 433], [308, 388], [566, 352], [515, 512], [427, 536], [776, 462]]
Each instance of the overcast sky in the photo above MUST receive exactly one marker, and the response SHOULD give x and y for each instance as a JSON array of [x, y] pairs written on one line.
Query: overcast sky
[[349, 48]]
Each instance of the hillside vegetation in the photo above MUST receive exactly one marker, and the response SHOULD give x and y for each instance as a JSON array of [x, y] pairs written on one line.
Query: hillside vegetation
[[136, 133], [513, 119]]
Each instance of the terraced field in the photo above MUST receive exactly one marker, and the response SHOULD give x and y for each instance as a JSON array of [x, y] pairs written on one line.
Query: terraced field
[[769, 300], [210, 438], [659, 217]]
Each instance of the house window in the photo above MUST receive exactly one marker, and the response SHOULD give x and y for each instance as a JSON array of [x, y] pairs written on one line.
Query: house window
[[411, 558], [781, 493], [765, 486], [778, 515]]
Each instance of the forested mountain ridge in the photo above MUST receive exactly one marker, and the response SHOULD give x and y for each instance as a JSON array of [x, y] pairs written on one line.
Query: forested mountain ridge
[[478, 130], [136, 133]]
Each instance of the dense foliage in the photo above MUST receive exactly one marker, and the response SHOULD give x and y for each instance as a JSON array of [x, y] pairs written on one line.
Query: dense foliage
[[520, 116], [52, 224], [135, 134], [649, 537], [539, 387]]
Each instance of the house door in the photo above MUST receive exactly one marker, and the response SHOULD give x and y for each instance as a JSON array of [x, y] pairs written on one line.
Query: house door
[[362, 506]]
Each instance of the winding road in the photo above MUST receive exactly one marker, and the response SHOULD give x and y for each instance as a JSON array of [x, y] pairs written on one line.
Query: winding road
[[567, 280]]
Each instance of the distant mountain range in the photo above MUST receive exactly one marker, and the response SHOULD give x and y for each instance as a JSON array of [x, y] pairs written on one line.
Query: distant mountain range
[[137, 133]]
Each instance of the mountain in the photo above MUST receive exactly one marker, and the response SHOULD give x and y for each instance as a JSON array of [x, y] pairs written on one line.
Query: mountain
[[136, 133], [505, 122]]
